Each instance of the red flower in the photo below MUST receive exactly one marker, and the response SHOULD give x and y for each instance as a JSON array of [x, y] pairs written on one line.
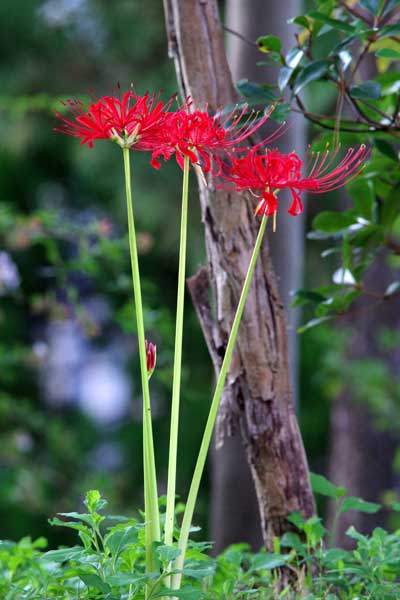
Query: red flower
[[151, 357], [273, 171], [201, 137], [130, 120]]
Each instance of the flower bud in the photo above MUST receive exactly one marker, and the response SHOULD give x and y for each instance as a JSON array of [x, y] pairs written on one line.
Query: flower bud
[[151, 357]]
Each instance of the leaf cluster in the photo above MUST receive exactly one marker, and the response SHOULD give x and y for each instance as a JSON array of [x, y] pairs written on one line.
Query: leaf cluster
[[108, 563]]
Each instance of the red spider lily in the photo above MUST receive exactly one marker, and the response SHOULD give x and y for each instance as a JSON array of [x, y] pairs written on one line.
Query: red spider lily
[[200, 136], [273, 171], [130, 120], [151, 357]]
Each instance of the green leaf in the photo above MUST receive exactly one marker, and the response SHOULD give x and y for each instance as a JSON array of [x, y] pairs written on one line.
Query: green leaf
[[122, 579], [297, 519], [393, 288], [314, 530], [386, 148], [280, 112], [369, 90], [353, 533], [167, 553], [269, 43], [94, 581], [371, 5], [321, 485], [268, 561], [301, 21], [86, 518], [293, 57], [389, 31], [94, 501], [390, 209], [186, 593], [313, 323], [304, 296], [361, 192], [284, 76], [249, 89], [387, 53], [358, 504], [292, 540], [333, 555], [199, 569], [64, 554], [332, 222], [335, 23], [311, 72], [119, 539]]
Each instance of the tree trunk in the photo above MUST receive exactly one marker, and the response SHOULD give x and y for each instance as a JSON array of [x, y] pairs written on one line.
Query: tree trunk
[[257, 398], [250, 20]]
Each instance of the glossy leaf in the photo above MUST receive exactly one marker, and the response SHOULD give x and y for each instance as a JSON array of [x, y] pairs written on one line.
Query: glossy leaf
[[393, 288], [269, 43], [313, 323], [301, 21], [334, 23], [285, 73], [332, 222], [388, 53], [371, 5], [293, 57], [386, 148], [389, 31], [249, 89], [369, 90], [311, 72]]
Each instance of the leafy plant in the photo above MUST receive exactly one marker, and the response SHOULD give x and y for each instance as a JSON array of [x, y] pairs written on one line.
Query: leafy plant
[[108, 563]]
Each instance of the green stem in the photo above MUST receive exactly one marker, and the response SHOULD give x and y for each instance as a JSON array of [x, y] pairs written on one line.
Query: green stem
[[205, 444], [149, 467], [173, 439]]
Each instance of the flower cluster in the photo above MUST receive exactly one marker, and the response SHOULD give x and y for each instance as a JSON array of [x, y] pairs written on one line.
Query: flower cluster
[[144, 123], [129, 120], [269, 172]]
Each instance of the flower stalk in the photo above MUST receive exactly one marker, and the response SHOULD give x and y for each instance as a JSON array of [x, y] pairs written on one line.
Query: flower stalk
[[149, 468], [176, 384], [212, 416]]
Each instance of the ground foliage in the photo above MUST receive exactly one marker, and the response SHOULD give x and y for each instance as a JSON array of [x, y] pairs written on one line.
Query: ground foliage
[[107, 561]]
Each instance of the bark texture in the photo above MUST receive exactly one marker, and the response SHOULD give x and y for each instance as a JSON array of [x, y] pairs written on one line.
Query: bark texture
[[250, 20], [257, 399]]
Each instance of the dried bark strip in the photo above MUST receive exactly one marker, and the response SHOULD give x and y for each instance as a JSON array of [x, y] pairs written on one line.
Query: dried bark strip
[[257, 400]]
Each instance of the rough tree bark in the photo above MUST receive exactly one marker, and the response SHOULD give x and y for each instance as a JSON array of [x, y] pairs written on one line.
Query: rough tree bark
[[257, 399], [252, 19]]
